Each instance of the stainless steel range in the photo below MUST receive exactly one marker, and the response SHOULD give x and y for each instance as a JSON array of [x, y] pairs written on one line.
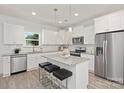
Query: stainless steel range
[[77, 52]]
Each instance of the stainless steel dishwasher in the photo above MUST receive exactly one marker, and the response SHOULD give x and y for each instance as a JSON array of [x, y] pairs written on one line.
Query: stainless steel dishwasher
[[18, 63]]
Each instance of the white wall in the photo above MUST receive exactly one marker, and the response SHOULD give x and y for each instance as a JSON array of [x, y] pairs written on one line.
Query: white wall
[[28, 27]]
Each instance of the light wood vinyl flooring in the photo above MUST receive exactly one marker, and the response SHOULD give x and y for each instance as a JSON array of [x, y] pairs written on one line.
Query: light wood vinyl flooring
[[30, 80], [96, 82]]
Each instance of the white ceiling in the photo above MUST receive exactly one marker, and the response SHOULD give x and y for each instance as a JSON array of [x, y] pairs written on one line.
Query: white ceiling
[[45, 13]]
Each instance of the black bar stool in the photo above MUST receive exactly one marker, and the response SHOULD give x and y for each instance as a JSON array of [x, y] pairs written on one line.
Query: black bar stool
[[62, 74], [41, 69], [50, 69]]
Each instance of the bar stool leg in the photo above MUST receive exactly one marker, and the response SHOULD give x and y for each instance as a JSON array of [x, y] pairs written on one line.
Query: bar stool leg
[[41, 70], [67, 83], [39, 74]]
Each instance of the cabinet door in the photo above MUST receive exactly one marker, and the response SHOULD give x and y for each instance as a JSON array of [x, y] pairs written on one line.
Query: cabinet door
[[13, 34], [78, 31], [31, 62], [50, 37], [122, 20], [6, 66], [91, 61], [101, 24], [89, 34], [61, 35], [19, 34], [115, 21], [40, 59], [9, 34]]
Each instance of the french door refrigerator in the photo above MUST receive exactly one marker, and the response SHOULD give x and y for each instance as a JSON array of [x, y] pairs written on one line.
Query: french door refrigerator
[[109, 56]]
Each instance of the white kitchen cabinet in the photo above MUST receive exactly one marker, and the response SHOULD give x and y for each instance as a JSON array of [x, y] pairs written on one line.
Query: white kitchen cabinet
[[101, 24], [50, 37], [86, 31], [13, 34], [78, 31], [33, 60], [91, 61], [40, 59], [6, 65], [65, 37], [116, 21], [89, 34], [110, 22]]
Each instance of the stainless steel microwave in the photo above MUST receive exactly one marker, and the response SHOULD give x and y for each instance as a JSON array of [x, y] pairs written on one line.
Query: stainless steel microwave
[[78, 40]]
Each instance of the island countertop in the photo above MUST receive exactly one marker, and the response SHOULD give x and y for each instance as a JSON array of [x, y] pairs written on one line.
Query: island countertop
[[71, 60]]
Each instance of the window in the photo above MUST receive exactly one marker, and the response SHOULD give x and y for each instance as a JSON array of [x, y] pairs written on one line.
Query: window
[[32, 39]]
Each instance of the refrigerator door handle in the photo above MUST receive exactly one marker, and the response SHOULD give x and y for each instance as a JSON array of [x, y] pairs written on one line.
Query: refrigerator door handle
[[103, 51], [106, 58], [104, 54]]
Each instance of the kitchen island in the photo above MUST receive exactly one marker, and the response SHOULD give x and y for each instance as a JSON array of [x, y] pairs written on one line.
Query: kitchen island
[[77, 65]]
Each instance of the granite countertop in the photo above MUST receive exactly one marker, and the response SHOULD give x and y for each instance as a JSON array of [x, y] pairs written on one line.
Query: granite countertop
[[12, 54], [42, 52], [71, 60], [26, 53]]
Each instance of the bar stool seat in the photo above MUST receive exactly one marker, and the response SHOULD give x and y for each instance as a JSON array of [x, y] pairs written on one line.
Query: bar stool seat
[[42, 65], [51, 68], [62, 74]]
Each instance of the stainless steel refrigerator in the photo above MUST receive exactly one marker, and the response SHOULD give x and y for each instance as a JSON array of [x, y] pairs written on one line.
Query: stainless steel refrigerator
[[109, 56]]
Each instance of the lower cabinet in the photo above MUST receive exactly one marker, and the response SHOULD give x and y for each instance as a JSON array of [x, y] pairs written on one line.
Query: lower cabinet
[[91, 61], [6, 66], [33, 61]]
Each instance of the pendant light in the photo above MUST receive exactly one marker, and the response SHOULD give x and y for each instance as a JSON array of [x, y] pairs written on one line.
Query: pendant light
[[55, 13], [70, 28]]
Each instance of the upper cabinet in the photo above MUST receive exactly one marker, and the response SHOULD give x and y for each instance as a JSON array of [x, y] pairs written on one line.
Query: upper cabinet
[[86, 31], [89, 34], [56, 37], [116, 21], [50, 37], [65, 37], [110, 22], [101, 24], [13, 34], [78, 31]]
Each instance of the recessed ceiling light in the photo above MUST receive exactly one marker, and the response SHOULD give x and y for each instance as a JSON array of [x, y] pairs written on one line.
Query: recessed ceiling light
[[59, 22], [76, 14], [33, 13], [70, 29]]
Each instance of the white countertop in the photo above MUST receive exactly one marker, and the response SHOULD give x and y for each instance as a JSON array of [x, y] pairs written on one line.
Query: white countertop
[[22, 53], [71, 60]]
